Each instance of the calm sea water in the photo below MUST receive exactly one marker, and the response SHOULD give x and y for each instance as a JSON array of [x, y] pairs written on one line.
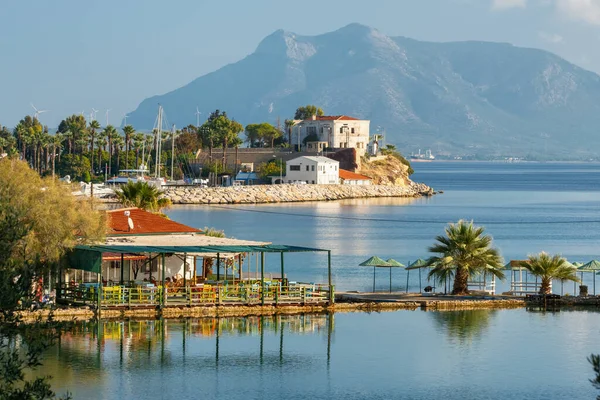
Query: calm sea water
[[506, 354], [483, 354], [526, 207]]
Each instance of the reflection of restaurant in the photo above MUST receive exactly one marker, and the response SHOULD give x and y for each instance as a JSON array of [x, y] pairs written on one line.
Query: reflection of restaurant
[[149, 260]]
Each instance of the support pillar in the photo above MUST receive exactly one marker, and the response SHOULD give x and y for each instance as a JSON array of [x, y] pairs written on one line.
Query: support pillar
[[122, 267], [329, 280], [218, 267], [164, 288], [262, 278]]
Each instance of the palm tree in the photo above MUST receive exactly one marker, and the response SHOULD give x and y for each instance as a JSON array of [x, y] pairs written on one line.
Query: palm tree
[[109, 133], [289, 124], [140, 194], [547, 268], [94, 125], [138, 142], [129, 131], [464, 252]]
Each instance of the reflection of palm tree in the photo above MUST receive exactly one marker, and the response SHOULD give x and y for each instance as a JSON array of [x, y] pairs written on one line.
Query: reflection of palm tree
[[464, 325]]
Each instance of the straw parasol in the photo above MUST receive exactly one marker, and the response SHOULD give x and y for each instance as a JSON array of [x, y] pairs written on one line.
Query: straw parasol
[[592, 266], [374, 262], [420, 263], [393, 264]]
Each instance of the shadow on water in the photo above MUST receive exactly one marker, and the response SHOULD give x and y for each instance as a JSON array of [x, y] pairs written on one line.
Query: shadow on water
[[463, 325]]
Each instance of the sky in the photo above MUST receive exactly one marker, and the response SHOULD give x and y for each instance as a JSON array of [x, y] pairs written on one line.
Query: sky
[[69, 56]]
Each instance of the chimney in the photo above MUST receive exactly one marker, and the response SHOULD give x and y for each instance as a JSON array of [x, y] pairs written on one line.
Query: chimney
[[314, 117]]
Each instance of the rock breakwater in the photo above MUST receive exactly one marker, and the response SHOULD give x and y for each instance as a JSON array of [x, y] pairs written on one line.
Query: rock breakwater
[[289, 193]]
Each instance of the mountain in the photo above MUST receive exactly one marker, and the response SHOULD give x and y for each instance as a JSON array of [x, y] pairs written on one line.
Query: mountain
[[460, 98]]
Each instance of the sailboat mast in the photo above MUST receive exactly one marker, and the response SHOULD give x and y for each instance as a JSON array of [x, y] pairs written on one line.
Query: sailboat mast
[[172, 148], [158, 142]]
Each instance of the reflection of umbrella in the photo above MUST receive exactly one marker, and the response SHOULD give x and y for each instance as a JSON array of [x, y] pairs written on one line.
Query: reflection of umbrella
[[420, 263], [393, 264], [592, 266], [374, 262]]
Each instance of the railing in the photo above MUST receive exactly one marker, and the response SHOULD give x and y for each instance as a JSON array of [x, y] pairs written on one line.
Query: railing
[[238, 294]]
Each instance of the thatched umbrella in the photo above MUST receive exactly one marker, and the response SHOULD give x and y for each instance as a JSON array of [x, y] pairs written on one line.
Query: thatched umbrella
[[374, 262], [592, 266], [393, 264], [420, 263]]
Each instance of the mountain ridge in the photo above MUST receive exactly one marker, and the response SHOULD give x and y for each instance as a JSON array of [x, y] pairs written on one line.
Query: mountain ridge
[[457, 98]]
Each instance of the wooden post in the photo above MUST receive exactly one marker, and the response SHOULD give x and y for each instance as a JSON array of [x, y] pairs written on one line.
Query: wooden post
[[99, 293], [164, 289], [420, 290], [407, 276], [195, 262], [329, 280], [185, 270], [390, 279], [218, 267], [240, 266], [282, 270], [122, 267], [262, 277]]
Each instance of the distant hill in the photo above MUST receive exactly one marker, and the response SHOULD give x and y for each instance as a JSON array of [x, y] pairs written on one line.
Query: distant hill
[[460, 98]]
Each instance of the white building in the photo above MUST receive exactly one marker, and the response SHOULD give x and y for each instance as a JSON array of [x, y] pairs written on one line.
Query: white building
[[313, 170], [339, 131]]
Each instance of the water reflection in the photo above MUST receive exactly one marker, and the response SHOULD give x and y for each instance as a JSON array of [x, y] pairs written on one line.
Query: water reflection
[[92, 349], [463, 325]]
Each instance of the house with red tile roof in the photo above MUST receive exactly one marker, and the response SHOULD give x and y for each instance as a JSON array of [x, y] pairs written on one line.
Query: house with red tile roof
[[352, 178], [134, 221], [331, 131]]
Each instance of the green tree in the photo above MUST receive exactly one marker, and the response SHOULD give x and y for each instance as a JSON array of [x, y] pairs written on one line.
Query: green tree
[[289, 124], [142, 195], [547, 268], [7, 140], [272, 168], [110, 133], [75, 126], [94, 126], [258, 135], [33, 242], [308, 111], [222, 130], [464, 252], [128, 131]]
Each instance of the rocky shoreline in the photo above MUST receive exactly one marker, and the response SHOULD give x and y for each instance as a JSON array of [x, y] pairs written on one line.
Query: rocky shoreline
[[289, 193]]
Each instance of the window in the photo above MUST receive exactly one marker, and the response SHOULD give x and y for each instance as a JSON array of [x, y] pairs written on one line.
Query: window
[[310, 130], [342, 129], [313, 168], [321, 129], [313, 182], [336, 167], [341, 145], [352, 131], [307, 168], [294, 168]]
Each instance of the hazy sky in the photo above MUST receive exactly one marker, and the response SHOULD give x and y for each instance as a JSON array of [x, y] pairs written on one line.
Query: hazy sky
[[68, 56]]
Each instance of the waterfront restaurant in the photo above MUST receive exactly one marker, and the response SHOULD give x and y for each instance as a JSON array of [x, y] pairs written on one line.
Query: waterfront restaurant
[[149, 260]]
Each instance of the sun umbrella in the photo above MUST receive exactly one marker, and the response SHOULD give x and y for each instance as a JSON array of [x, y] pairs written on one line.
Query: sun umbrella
[[420, 263], [591, 266], [374, 262], [393, 264]]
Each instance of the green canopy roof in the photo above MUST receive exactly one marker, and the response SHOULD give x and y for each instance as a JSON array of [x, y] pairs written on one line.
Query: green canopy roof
[[131, 249], [374, 262], [420, 263], [577, 264], [394, 263], [593, 265]]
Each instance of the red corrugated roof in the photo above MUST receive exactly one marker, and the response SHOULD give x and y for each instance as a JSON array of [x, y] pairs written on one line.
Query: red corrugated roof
[[336, 118], [352, 176], [144, 222]]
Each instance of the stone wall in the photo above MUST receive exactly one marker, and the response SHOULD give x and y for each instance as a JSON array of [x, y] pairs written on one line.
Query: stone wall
[[289, 193]]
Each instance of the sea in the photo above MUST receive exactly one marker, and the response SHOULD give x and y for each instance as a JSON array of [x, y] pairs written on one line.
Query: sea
[[471, 354]]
